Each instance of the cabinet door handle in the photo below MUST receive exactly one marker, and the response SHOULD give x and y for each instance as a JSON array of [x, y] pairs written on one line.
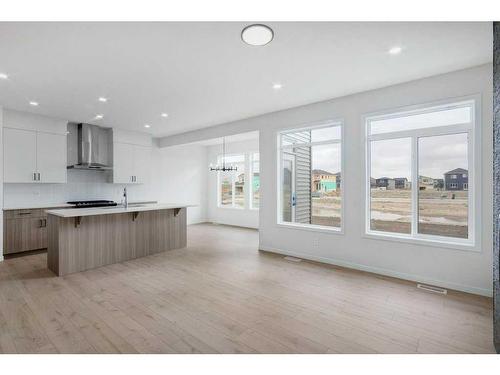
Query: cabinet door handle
[[34, 176], [38, 176], [44, 223]]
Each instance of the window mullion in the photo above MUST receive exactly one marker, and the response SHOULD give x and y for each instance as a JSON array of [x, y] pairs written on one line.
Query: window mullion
[[471, 192], [233, 189], [414, 186]]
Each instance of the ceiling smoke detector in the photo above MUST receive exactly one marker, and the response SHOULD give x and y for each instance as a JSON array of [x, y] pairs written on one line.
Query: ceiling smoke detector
[[257, 35]]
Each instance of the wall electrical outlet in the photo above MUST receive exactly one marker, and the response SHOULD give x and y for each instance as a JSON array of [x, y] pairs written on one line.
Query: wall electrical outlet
[[315, 242]]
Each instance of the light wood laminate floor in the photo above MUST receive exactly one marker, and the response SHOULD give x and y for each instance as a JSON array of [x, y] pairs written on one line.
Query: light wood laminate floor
[[220, 295]]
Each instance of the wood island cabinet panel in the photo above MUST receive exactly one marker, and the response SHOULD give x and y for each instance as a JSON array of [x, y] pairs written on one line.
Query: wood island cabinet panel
[[105, 239]]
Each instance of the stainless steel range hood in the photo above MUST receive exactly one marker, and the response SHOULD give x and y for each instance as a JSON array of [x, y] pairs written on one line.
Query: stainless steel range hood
[[89, 147]]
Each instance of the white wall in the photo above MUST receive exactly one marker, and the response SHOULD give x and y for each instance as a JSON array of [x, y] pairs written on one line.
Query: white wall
[[182, 178], [1, 182], [30, 121], [462, 270], [245, 217]]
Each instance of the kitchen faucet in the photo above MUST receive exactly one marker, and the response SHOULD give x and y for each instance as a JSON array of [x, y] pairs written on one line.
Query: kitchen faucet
[[125, 198]]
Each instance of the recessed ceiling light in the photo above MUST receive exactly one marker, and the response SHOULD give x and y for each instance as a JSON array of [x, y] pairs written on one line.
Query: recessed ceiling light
[[102, 99], [164, 115], [257, 35], [277, 86], [3, 76], [98, 117], [395, 50], [34, 104], [147, 125]]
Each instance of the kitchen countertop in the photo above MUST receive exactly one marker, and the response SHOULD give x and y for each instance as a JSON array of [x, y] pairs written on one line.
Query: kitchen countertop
[[76, 212], [58, 205], [36, 206]]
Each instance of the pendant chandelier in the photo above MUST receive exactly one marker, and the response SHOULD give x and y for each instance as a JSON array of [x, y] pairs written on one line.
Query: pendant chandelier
[[223, 167]]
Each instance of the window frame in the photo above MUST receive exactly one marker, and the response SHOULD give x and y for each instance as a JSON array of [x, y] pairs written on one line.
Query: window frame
[[473, 129], [279, 158], [233, 189], [251, 156]]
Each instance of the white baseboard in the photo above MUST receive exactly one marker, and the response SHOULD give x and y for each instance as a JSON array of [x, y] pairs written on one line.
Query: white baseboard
[[383, 271]]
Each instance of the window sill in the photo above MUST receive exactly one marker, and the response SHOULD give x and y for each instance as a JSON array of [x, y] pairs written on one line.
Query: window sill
[[311, 228], [231, 208], [462, 246]]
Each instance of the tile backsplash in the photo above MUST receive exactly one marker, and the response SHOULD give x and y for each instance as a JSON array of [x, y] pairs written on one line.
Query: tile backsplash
[[81, 185]]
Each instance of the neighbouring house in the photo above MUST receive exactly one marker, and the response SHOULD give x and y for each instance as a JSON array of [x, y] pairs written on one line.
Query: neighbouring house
[[239, 183], [425, 182], [373, 182], [386, 182], [401, 183], [438, 184], [256, 182], [324, 181], [457, 179], [339, 178]]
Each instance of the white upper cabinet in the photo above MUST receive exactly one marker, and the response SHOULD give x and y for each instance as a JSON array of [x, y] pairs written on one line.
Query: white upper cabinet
[[131, 157], [34, 157], [19, 155], [51, 164], [34, 148], [123, 163], [142, 164]]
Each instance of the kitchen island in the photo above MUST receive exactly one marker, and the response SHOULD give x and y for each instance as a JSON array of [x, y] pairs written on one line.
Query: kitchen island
[[85, 238]]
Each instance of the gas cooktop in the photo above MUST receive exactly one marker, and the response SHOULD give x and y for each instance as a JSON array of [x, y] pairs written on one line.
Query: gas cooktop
[[95, 203]]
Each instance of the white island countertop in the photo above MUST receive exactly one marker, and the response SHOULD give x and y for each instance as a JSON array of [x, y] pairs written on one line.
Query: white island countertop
[[76, 212]]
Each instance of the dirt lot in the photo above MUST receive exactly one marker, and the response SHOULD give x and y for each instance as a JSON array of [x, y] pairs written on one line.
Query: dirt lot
[[442, 213]]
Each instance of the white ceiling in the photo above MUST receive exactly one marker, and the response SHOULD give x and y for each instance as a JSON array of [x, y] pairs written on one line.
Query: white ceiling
[[202, 74]]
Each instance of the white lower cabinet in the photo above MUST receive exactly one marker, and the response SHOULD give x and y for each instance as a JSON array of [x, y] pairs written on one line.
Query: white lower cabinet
[[34, 157], [131, 163]]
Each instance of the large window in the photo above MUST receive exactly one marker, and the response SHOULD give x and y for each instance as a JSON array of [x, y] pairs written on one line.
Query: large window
[[310, 176], [232, 183], [240, 188], [255, 175], [418, 169]]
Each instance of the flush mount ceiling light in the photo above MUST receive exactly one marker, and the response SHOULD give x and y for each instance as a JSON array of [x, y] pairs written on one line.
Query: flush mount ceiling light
[[257, 35], [396, 50], [34, 104], [3, 76], [277, 86], [147, 125], [164, 115], [103, 99], [99, 117]]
